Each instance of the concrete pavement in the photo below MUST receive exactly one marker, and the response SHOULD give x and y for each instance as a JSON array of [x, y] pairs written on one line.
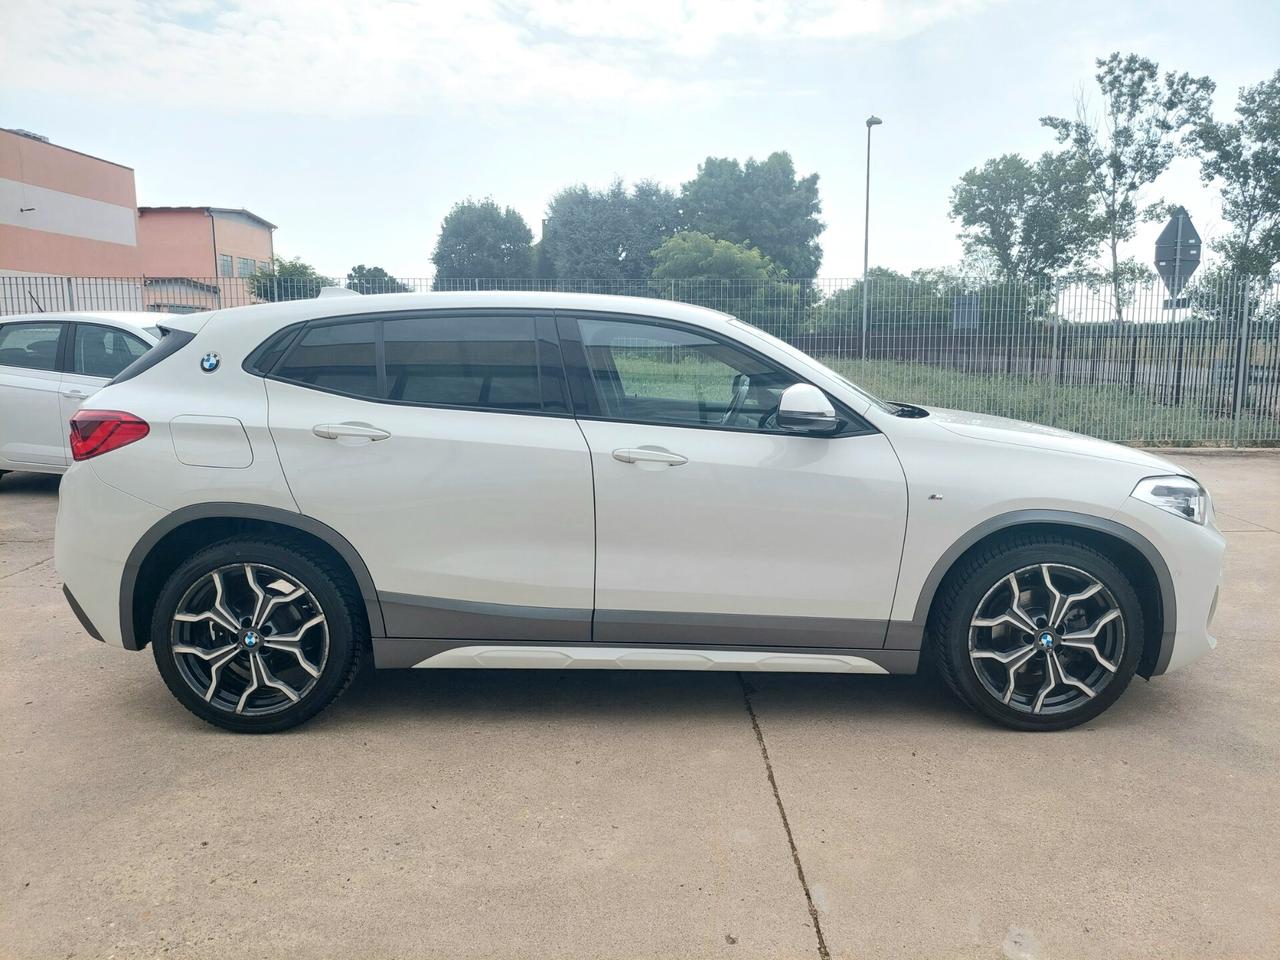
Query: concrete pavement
[[543, 814]]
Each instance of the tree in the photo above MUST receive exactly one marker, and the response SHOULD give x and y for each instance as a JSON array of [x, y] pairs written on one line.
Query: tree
[[1142, 114], [288, 280], [364, 279], [608, 234], [690, 254], [482, 241], [1035, 219], [761, 203], [1245, 157]]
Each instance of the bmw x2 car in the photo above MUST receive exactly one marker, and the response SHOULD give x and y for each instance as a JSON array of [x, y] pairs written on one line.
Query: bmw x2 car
[[536, 480]]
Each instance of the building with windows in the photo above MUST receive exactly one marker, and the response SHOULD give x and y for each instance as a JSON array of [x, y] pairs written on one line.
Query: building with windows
[[196, 256], [72, 237]]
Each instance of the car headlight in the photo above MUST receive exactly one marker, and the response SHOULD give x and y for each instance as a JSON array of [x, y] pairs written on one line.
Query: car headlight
[[1178, 495]]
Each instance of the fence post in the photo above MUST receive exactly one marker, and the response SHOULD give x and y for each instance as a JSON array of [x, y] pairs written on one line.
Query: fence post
[[71, 293], [1242, 368], [1054, 373]]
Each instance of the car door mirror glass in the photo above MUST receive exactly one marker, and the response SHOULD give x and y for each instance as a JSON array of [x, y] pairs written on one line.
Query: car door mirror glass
[[804, 408]]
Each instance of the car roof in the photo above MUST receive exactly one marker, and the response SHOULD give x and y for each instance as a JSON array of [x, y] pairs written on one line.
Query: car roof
[[134, 321], [267, 316]]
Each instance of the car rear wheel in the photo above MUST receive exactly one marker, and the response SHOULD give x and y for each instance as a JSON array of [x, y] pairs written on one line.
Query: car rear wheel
[[1038, 633], [258, 637]]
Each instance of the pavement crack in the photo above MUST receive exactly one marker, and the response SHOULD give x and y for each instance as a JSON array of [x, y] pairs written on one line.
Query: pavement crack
[[823, 952], [25, 569]]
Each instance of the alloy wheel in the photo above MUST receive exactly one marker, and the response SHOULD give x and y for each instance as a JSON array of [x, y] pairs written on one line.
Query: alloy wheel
[[1046, 638], [250, 639]]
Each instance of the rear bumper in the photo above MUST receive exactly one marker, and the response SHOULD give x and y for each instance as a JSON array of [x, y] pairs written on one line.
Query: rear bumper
[[97, 527], [85, 622]]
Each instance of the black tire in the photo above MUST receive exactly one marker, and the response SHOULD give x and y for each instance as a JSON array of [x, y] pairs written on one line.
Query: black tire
[[346, 633], [970, 584]]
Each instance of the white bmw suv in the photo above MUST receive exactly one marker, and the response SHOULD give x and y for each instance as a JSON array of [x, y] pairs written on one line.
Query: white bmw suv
[[560, 481]]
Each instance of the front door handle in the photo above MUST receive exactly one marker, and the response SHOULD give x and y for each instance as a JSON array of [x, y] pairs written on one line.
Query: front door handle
[[649, 455], [337, 431]]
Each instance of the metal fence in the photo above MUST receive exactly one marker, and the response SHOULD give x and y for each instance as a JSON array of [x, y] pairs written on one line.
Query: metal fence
[[1203, 369]]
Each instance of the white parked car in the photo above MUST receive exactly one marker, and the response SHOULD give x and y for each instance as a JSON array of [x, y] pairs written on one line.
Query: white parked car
[[558, 481], [50, 363]]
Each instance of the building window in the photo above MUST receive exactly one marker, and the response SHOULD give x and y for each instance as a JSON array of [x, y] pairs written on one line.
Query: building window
[[224, 265], [246, 267]]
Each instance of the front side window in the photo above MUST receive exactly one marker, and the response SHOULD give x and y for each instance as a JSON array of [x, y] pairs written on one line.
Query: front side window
[[33, 346], [224, 264], [651, 373], [337, 356], [104, 351], [463, 361]]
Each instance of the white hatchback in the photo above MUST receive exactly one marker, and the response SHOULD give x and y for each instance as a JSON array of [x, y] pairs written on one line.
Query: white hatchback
[[50, 363], [561, 481]]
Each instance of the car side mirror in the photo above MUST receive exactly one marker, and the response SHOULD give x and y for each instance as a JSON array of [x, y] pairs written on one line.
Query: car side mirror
[[805, 409]]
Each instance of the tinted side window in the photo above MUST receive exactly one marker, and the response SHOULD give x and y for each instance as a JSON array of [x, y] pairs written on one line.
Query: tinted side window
[[463, 361], [104, 351], [337, 356], [657, 374], [30, 345]]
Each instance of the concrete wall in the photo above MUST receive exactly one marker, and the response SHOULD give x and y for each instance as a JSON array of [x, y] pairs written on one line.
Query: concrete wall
[[63, 212]]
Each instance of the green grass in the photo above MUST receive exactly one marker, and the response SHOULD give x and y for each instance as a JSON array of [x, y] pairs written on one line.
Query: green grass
[[1107, 411]]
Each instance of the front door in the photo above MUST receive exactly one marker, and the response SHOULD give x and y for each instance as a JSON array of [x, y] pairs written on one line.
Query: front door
[[441, 446], [32, 431], [714, 526]]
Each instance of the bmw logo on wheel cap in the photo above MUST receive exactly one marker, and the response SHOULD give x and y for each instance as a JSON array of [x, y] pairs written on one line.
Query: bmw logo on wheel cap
[[210, 362]]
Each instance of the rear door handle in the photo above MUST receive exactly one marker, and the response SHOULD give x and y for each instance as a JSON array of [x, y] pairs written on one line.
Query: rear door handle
[[74, 394], [336, 431], [649, 455]]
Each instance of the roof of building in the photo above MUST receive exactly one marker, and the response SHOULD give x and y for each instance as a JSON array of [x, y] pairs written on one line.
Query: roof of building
[[40, 138], [210, 210]]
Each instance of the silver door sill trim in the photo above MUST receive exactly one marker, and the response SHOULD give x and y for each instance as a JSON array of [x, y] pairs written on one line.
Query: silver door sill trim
[[540, 657]]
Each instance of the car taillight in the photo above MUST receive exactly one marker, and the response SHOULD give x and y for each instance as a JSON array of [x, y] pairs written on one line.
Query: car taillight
[[94, 432]]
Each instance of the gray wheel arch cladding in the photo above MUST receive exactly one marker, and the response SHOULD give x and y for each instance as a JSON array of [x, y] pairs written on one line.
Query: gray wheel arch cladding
[[1019, 518], [242, 511]]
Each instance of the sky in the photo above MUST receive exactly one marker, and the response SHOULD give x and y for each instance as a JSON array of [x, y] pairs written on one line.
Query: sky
[[355, 126]]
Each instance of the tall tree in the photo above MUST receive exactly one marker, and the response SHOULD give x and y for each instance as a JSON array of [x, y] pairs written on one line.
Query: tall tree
[[762, 203], [367, 280], [288, 280], [608, 234], [1035, 219], [1244, 156], [1133, 143], [482, 241]]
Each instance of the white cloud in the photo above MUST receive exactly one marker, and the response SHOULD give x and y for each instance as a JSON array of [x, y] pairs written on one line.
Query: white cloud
[[354, 58]]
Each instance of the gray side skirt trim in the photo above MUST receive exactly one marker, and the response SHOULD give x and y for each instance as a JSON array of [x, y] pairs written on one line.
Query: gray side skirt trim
[[627, 627], [391, 654], [410, 616]]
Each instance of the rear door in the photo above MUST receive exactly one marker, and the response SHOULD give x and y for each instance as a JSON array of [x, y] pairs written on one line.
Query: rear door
[[32, 431], [96, 353], [442, 447]]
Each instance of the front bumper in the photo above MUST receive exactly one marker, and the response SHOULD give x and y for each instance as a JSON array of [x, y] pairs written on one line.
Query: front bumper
[[1193, 555]]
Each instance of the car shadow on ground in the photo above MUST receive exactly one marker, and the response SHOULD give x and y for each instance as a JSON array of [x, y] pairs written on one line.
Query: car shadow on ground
[[30, 483], [621, 696]]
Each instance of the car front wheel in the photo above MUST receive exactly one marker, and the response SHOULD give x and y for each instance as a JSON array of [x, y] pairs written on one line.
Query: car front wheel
[[257, 637], [1038, 633]]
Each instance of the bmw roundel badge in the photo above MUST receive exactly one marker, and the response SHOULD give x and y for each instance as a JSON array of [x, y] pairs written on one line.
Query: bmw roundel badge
[[210, 362]]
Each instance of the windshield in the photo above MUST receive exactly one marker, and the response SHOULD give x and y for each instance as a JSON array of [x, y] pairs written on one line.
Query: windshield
[[802, 356]]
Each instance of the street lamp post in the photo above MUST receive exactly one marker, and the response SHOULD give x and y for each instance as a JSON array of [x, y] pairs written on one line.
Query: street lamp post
[[872, 121]]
